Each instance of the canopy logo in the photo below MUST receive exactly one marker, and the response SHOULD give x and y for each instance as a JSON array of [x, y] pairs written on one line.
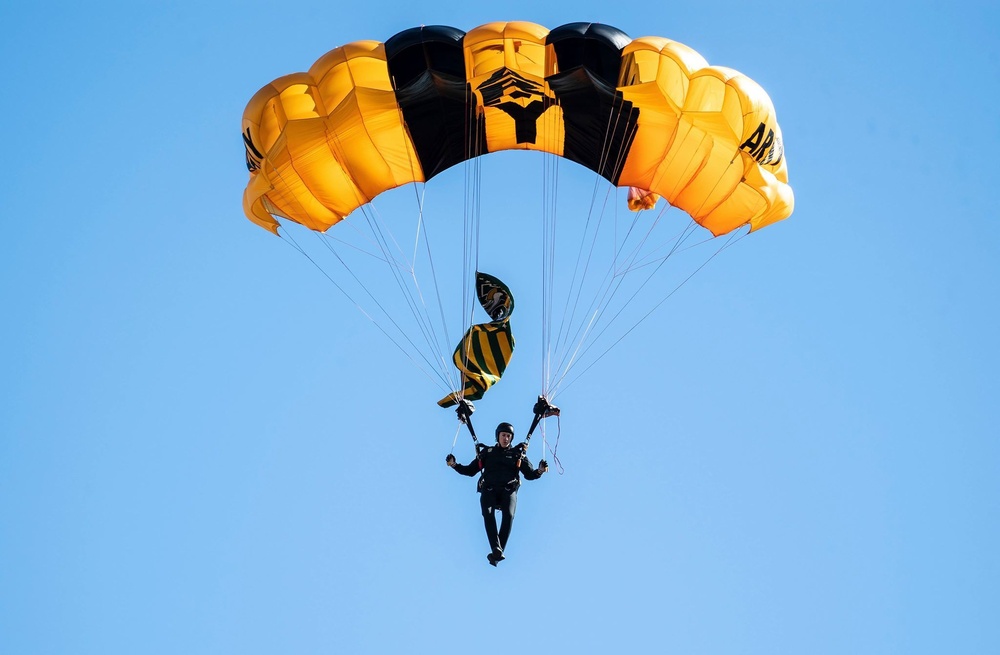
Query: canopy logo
[[764, 146], [254, 158], [522, 99]]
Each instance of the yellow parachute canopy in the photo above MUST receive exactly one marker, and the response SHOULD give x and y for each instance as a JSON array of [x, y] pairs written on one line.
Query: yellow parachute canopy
[[647, 113]]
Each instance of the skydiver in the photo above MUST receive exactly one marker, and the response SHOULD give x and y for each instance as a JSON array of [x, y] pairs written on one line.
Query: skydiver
[[501, 467]]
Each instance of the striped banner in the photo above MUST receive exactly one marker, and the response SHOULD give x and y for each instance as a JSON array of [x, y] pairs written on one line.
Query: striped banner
[[485, 350]]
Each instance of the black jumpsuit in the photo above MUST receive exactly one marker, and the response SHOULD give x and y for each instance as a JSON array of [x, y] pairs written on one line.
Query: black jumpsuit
[[498, 487]]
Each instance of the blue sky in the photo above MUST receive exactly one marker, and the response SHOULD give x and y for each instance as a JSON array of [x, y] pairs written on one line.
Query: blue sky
[[205, 449]]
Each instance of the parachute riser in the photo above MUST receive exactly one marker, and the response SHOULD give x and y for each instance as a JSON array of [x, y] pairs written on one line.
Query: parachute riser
[[542, 409], [464, 411], [472, 433], [527, 440]]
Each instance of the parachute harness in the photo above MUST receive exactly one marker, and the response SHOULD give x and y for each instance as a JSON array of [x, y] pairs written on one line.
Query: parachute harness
[[542, 409]]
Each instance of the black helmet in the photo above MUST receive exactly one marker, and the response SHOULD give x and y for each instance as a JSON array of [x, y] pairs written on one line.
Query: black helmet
[[505, 427]]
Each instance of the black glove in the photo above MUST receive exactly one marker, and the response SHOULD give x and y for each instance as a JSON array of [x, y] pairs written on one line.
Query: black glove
[[543, 466], [544, 409], [464, 410], [449, 460]]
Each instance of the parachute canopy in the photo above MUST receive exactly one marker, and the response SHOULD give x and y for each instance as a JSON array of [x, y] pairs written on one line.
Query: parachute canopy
[[648, 113]]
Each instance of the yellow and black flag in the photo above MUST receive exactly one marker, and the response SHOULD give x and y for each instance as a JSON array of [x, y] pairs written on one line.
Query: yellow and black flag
[[485, 350]]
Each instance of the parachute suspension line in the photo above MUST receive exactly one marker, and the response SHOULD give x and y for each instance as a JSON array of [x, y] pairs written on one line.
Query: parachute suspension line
[[471, 214], [544, 159], [568, 318], [607, 289], [422, 228], [619, 161], [623, 149], [550, 281], [638, 247], [437, 288], [652, 259], [466, 200], [414, 302], [479, 213], [556, 167], [733, 238], [605, 294], [583, 238], [550, 196], [469, 262], [455, 440], [610, 128], [393, 264], [378, 232], [547, 217], [628, 265], [477, 216], [569, 336], [617, 269], [412, 296], [420, 219], [600, 306], [442, 373], [351, 226], [726, 245], [629, 260], [290, 240]]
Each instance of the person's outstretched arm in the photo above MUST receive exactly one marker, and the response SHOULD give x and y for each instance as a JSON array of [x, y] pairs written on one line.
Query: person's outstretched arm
[[469, 469]]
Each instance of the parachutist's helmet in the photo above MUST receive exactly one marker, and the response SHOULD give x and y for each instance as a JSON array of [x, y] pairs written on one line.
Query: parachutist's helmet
[[505, 427]]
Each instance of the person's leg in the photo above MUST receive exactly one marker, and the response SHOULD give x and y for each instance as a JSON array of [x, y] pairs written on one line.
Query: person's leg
[[487, 500], [507, 505]]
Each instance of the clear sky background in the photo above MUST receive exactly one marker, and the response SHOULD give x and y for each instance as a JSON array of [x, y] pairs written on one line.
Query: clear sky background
[[205, 449]]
